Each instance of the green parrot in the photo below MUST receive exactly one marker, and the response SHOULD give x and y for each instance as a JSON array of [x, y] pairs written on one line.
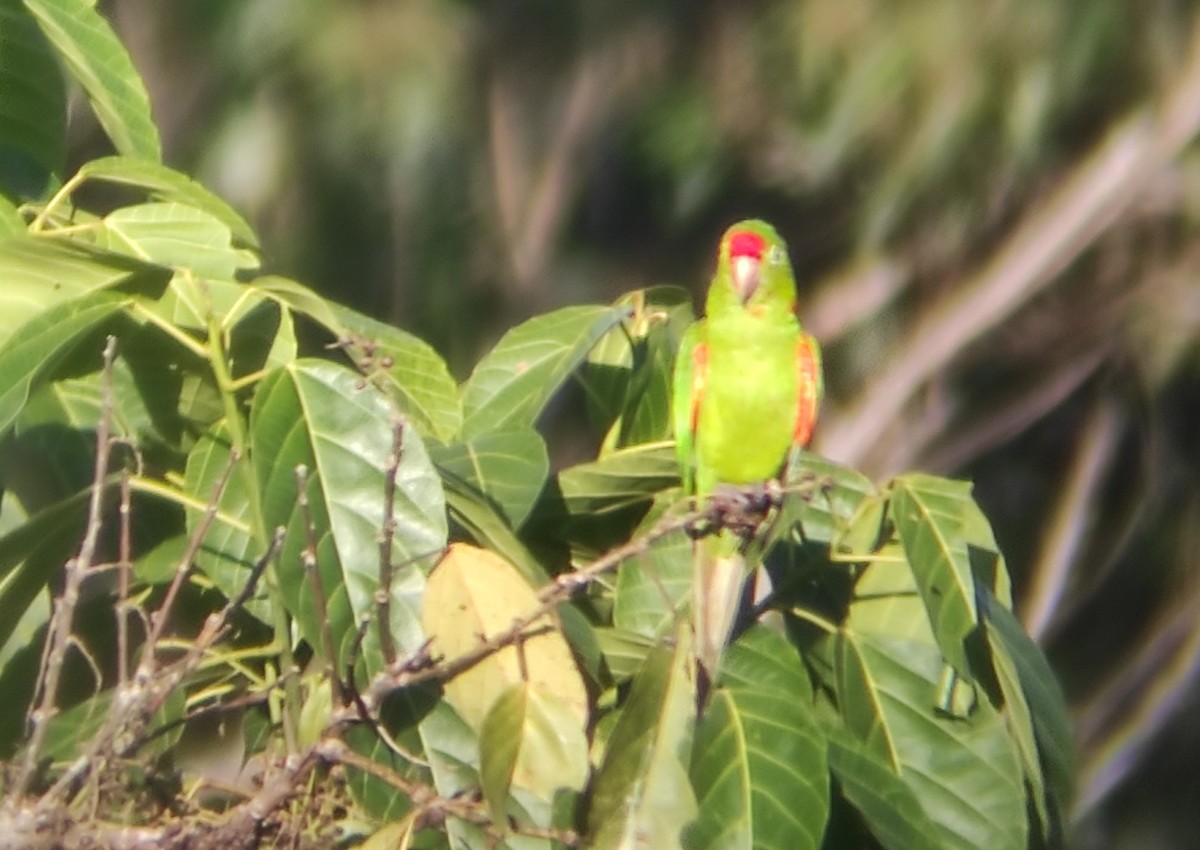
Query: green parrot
[[747, 387]]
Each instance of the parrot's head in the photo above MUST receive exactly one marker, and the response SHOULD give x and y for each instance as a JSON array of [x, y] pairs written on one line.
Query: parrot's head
[[754, 259]]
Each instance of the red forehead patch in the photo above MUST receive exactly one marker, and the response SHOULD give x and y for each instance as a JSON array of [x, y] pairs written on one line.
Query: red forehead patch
[[746, 244]]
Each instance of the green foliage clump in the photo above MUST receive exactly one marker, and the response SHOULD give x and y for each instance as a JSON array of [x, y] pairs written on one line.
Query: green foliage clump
[[274, 483]]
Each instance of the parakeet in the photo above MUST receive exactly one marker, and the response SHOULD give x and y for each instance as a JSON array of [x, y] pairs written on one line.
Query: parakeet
[[747, 387]]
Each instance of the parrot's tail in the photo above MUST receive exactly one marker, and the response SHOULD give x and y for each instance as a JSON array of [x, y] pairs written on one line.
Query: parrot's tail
[[717, 583]]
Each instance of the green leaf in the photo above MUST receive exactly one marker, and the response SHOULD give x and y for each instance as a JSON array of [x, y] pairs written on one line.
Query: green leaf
[[987, 561], [175, 235], [165, 184], [509, 467], [759, 763], [641, 796], [1016, 652], [927, 512], [620, 479], [964, 770], [29, 357], [39, 272], [32, 553], [533, 741], [512, 383], [96, 58], [759, 771], [33, 108], [407, 368], [887, 805], [298, 297], [1020, 724], [628, 374], [322, 416], [762, 657], [453, 752], [263, 337]]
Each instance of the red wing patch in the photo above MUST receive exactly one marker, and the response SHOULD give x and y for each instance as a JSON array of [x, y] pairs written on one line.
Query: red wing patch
[[699, 371], [807, 381]]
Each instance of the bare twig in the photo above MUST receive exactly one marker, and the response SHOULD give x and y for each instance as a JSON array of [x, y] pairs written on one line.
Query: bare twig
[[124, 566], [135, 701], [76, 569], [308, 558], [159, 618]]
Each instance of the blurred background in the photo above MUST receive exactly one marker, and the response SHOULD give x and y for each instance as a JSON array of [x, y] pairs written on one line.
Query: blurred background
[[994, 209]]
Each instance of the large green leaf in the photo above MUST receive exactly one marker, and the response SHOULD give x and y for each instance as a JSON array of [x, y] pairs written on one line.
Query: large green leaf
[[1015, 653], [509, 467], [322, 416], [38, 272], [176, 235], [964, 770], [96, 58], [165, 184], [887, 805], [928, 515], [641, 796], [408, 368], [512, 383], [33, 107], [759, 764]]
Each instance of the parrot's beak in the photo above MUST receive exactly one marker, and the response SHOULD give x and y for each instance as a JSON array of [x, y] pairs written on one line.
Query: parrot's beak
[[746, 275]]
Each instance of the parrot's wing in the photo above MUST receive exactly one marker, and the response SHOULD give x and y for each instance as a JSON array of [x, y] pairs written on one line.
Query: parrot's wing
[[810, 387], [688, 388]]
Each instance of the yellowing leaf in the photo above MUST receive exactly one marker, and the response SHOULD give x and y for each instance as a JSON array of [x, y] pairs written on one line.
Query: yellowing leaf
[[474, 595]]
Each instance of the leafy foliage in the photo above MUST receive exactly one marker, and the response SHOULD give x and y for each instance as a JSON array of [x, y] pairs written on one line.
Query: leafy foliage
[[437, 608]]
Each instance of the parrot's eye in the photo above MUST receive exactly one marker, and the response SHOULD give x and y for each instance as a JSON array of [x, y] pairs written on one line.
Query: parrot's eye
[[776, 255]]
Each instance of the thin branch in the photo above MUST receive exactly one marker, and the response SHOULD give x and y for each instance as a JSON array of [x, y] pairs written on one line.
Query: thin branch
[[124, 567], [76, 569], [159, 618]]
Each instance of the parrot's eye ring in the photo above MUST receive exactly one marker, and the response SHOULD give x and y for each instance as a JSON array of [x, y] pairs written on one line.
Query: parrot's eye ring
[[776, 255]]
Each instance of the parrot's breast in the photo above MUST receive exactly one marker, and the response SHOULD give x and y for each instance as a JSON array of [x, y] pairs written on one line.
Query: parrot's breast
[[747, 419]]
